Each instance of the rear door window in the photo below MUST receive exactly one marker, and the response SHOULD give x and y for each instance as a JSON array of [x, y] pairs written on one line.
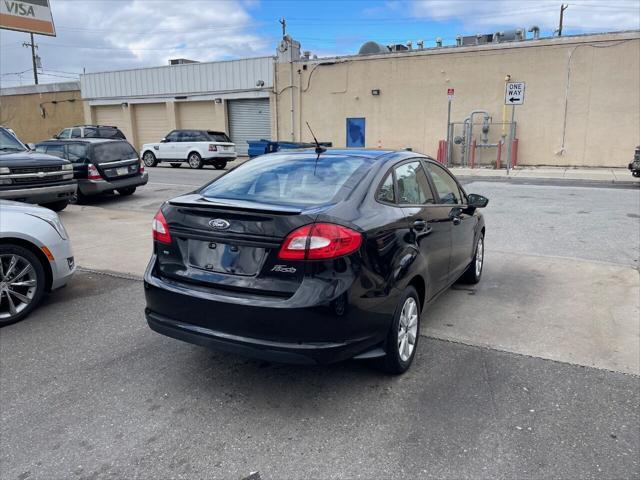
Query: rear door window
[[112, 151], [76, 152], [413, 186], [290, 180]]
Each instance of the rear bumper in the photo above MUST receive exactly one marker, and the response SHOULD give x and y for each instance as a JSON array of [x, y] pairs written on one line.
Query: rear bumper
[[273, 329], [220, 156], [47, 194], [95, 187]]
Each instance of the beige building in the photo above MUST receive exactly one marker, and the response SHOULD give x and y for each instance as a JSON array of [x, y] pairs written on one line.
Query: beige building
[[581, 108], [37, 112], [147, 103]]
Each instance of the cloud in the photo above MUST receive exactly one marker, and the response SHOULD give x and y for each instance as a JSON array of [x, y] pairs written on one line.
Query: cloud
[[103, 35], [582, 15]]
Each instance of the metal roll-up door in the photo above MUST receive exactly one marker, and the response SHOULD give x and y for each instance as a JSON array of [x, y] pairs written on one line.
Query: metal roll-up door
[[197, 115], [109, 115], [249, 119], [151, 122]]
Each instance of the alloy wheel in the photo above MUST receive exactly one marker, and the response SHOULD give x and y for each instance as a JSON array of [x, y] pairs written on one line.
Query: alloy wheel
[[479, 256], [407, 328], [18, 285], [149, 159], [194, 161]]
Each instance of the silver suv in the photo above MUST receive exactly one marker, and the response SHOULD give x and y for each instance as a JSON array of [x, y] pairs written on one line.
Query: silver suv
[[90, 131]]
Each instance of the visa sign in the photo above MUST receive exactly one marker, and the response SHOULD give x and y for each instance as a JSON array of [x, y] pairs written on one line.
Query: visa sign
[[19, 8], [33, 16]]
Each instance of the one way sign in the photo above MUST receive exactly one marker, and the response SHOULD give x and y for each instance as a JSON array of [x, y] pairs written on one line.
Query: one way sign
[[514, 93]]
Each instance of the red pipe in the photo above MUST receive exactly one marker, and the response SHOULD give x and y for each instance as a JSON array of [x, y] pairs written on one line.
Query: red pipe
[[499, 157]]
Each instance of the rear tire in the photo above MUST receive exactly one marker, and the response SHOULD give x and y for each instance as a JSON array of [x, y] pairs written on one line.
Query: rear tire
[[126, 191], [195, 160], [473, 273], [219, 164], [405, 329], [56, 206], [176, 165], [149, 159], [24, 282], [81, 198]]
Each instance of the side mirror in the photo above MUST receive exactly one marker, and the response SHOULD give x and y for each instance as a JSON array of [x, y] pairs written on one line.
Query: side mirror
[[164, 140], [477, 201], [31, 146]]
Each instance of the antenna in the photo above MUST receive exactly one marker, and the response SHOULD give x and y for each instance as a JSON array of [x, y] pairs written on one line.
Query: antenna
[[319, 149]]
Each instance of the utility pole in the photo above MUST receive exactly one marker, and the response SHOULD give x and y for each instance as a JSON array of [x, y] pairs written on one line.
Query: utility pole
[[563, 7], [33, 57], [283, 22]]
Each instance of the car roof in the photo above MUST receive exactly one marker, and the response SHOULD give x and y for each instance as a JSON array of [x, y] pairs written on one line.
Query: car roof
[[82, 140], [371, 153], [97, 126]]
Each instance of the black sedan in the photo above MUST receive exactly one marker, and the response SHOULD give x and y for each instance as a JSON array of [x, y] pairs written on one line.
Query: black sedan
[[313, 258]]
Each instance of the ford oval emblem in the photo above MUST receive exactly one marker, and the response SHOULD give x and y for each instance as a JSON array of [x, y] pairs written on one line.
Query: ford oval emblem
[[219, 224]]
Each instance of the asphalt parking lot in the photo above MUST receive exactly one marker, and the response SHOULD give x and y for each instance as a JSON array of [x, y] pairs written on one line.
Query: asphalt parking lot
[[531, 374]]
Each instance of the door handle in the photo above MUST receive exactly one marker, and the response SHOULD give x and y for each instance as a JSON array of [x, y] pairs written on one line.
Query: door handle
[[419, 225]]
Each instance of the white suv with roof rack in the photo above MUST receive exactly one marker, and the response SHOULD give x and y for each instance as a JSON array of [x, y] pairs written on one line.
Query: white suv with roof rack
[[196, 147]]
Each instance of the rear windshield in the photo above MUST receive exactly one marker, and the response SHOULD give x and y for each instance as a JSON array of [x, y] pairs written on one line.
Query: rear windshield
[[102, 132], [218, 136], [290, 180], [112, 151]]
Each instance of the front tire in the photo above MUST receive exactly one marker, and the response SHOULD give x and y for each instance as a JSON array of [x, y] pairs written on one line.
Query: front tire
[[56, 206], [21, 283], [402, 339], [149, 159], [473, 273], [195, 160]]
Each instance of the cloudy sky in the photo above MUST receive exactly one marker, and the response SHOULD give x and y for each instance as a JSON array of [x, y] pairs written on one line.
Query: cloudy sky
[[96, 35]]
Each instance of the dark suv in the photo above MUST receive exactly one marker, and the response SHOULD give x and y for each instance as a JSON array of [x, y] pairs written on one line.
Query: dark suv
[[100, 165], [90, 131], [31, 177]]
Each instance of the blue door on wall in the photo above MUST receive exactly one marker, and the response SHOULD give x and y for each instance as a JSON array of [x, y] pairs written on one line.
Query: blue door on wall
[[355, 132]]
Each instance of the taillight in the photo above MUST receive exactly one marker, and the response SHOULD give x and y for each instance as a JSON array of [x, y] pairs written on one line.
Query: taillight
[[93, 173], [141, 169], [160, 228], [319, 241], [213, 148]]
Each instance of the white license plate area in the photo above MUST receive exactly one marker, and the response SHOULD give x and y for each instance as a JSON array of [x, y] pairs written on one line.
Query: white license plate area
[[122, 170]]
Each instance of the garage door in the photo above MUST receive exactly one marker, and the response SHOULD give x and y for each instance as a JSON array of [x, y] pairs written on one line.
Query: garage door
[[151, 122], [110, 115], [198, 116], [248, 120]]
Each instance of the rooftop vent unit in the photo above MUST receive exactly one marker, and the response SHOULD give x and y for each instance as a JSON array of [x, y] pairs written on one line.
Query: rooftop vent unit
[[181, 61], [398, 47], [371, 48]]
